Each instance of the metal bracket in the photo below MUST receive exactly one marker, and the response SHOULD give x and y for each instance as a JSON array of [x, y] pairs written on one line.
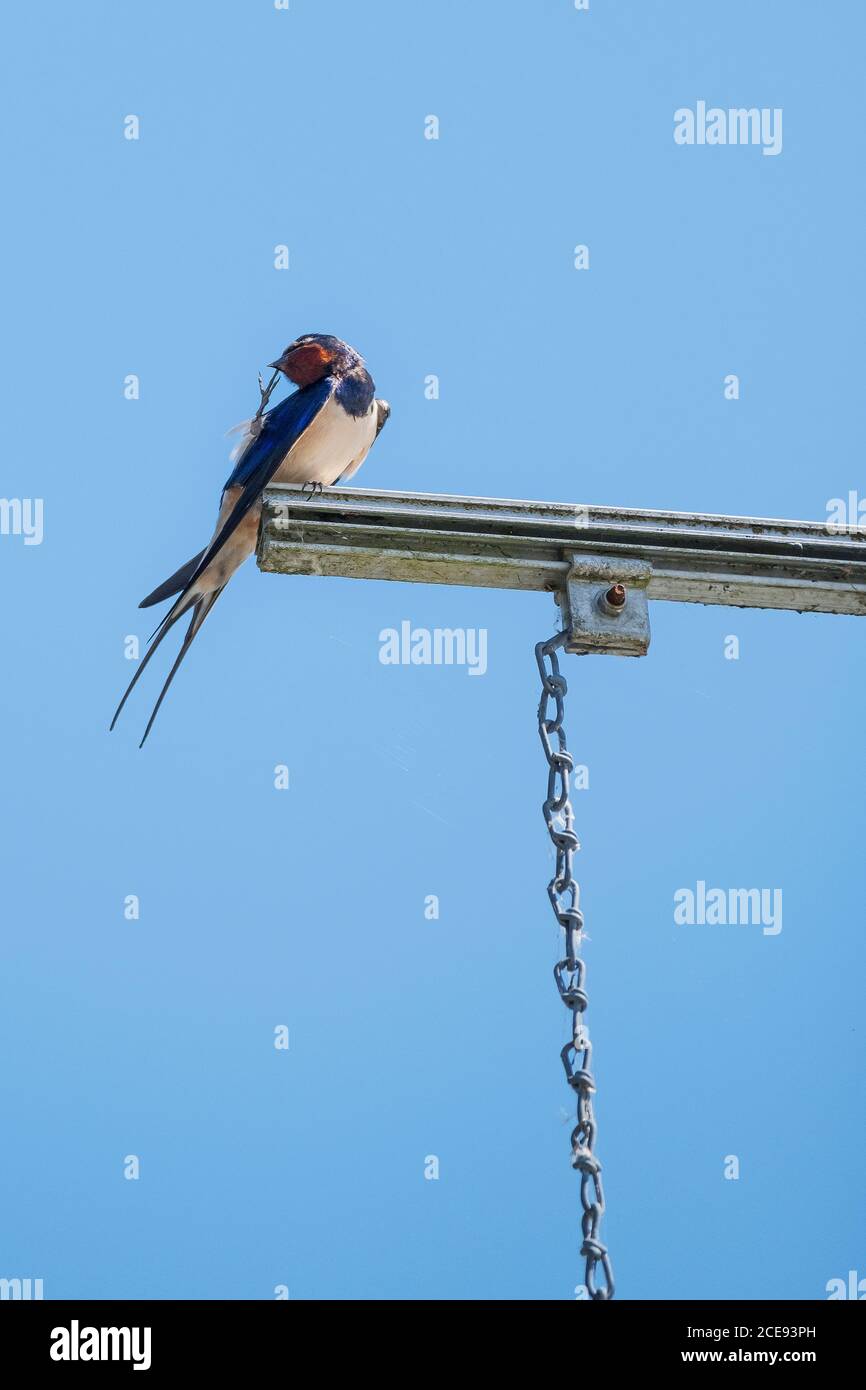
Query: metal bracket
[[604, 605]]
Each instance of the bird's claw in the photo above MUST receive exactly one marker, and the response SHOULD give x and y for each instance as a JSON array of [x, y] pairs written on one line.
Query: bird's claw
[[316, 489], [265, 393]]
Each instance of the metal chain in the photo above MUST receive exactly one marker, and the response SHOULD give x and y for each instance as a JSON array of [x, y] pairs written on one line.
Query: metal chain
[[570, 972]]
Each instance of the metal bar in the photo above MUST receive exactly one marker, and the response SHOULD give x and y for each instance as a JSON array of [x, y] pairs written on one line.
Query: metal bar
[[747, 562]]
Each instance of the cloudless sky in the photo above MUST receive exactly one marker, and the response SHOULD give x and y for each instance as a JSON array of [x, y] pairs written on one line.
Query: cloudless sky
[[305, 907]]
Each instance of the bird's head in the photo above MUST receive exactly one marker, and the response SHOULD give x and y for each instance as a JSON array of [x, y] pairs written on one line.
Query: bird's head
[[314, 356]]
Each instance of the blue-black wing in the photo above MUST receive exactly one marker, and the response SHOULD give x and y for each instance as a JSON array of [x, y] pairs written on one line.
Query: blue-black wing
[[281, 429]]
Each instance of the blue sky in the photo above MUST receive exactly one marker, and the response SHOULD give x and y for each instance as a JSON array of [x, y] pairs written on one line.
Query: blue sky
[[305, 907]]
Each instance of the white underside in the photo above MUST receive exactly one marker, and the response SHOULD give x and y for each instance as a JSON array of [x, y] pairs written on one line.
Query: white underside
[[334, 444]]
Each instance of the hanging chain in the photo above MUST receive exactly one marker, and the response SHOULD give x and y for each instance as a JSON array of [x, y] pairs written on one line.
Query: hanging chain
[[570, 972]]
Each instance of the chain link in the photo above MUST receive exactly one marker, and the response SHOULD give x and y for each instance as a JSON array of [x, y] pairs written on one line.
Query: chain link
[[570, 972]]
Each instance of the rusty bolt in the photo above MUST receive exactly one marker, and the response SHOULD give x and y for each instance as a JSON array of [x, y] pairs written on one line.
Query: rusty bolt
[[616, 596]]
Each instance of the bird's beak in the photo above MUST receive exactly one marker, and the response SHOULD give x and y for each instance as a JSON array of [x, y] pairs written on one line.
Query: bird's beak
[[283, 360]]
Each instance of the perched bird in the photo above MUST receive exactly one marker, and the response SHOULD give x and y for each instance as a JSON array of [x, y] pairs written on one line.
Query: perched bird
[[317, 436]]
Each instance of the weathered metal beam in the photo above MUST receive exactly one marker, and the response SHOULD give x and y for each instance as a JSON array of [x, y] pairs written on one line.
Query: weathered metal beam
[[694, 558]]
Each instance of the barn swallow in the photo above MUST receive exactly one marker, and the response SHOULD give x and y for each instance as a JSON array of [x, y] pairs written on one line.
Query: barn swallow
[[317, 436]]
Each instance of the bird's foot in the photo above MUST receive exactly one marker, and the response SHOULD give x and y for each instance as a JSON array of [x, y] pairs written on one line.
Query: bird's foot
[[265, 392], [316, 489]]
